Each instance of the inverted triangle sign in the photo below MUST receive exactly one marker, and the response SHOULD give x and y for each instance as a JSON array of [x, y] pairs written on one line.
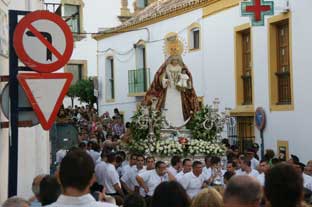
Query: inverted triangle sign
[[45, 92]]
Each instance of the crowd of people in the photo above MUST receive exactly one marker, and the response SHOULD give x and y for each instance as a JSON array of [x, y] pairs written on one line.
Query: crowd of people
[[97, 173]]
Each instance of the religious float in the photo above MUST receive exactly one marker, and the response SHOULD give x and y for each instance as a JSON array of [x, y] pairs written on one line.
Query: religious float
[[169, 120]]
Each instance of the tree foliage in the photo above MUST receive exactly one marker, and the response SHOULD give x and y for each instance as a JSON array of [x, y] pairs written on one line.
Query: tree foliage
[[84, 90]]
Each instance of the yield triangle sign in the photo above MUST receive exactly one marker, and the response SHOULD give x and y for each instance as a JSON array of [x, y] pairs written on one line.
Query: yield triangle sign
[[45, 92]]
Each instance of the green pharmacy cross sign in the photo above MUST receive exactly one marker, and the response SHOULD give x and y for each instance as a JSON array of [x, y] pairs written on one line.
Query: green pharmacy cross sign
[[257, 9]]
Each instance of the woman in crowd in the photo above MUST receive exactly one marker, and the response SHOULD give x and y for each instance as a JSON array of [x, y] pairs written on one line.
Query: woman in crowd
[[170, 194], [208, 197]]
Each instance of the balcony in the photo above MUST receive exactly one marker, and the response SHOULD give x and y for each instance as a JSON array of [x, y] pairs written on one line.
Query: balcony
[[138, 81], [71, 14]]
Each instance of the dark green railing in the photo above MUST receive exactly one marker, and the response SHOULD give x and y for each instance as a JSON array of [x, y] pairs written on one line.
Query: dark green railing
[[138, 80]]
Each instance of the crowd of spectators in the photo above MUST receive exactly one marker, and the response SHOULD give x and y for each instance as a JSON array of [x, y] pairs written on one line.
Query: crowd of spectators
[[97, 173]]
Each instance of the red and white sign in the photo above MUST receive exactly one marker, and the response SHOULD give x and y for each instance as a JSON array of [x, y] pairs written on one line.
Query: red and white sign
[[45, 93], [43, 41]]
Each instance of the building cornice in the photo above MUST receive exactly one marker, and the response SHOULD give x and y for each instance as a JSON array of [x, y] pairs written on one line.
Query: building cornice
[[158, 17], [209, 7]]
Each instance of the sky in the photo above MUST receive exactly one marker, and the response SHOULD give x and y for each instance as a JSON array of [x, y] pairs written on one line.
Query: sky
[[102, 13]]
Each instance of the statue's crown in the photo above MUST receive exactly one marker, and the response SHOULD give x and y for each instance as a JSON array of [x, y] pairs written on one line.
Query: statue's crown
[[173, 46]]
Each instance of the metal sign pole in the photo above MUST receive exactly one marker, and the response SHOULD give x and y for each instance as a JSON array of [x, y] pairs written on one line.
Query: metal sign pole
[[13, 84], [262, 144]]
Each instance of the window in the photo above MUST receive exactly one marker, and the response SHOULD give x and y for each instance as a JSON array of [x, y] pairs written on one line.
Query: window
[[72, 17], [142, 3], [76, 70], [140, 56], [109, 73], [246, 69], [139, 78], [79, 69], [283, 77], [280, 67], [246, 132], [243, 67], [194, 36]]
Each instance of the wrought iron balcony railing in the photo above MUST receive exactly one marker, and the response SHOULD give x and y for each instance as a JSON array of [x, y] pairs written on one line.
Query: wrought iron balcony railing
[[138, 80]]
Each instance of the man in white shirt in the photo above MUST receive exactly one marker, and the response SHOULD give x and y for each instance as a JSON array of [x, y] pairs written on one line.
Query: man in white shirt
[[251, 156], [150, 165], [76, 176], [207, 168], [239, 170], [99, 170], [176, 165], [264, 167], [111, 178], [246, 167], [150, 179], [193, 181], [126, 166], [187, 167], [128, 180]]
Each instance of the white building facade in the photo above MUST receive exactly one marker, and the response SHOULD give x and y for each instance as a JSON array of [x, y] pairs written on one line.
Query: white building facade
[[245, 67]]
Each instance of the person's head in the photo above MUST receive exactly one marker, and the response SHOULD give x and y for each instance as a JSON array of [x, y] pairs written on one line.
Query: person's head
[[231, 166], [264, 166], [215, 162], [160, 168], [208, 197], [82, 146], [197, 168], [134, 200], [150, 163], [283, 186], [246, 164], [133, 159], [294, 159], [77, 171], [111, 158], [50, 190], [308, 168], [122, 154], [176, 162], [118, 161], [140, 161], [128, 124], [187, 165], [250, 153], [255, 147], [235, 150], [242, 191], [15, 202], [269, 154], [170, 194], [184, 70], [227, 176], [207, 161], [116, 111], [35, 187]]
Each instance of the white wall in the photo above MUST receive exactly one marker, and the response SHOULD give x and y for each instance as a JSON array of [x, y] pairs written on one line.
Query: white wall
[[213, 69], [34, 152]]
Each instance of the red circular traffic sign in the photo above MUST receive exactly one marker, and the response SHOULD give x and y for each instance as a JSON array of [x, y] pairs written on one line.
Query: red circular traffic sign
[[27, 27]]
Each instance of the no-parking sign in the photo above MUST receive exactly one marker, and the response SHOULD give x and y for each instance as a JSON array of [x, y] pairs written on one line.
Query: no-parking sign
[[43, 41]]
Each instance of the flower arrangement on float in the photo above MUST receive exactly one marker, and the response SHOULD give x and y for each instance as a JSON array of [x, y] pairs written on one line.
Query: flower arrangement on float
[[205, 127]]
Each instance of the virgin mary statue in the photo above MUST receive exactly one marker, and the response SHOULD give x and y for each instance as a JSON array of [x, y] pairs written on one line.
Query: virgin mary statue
[[173, 88]]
